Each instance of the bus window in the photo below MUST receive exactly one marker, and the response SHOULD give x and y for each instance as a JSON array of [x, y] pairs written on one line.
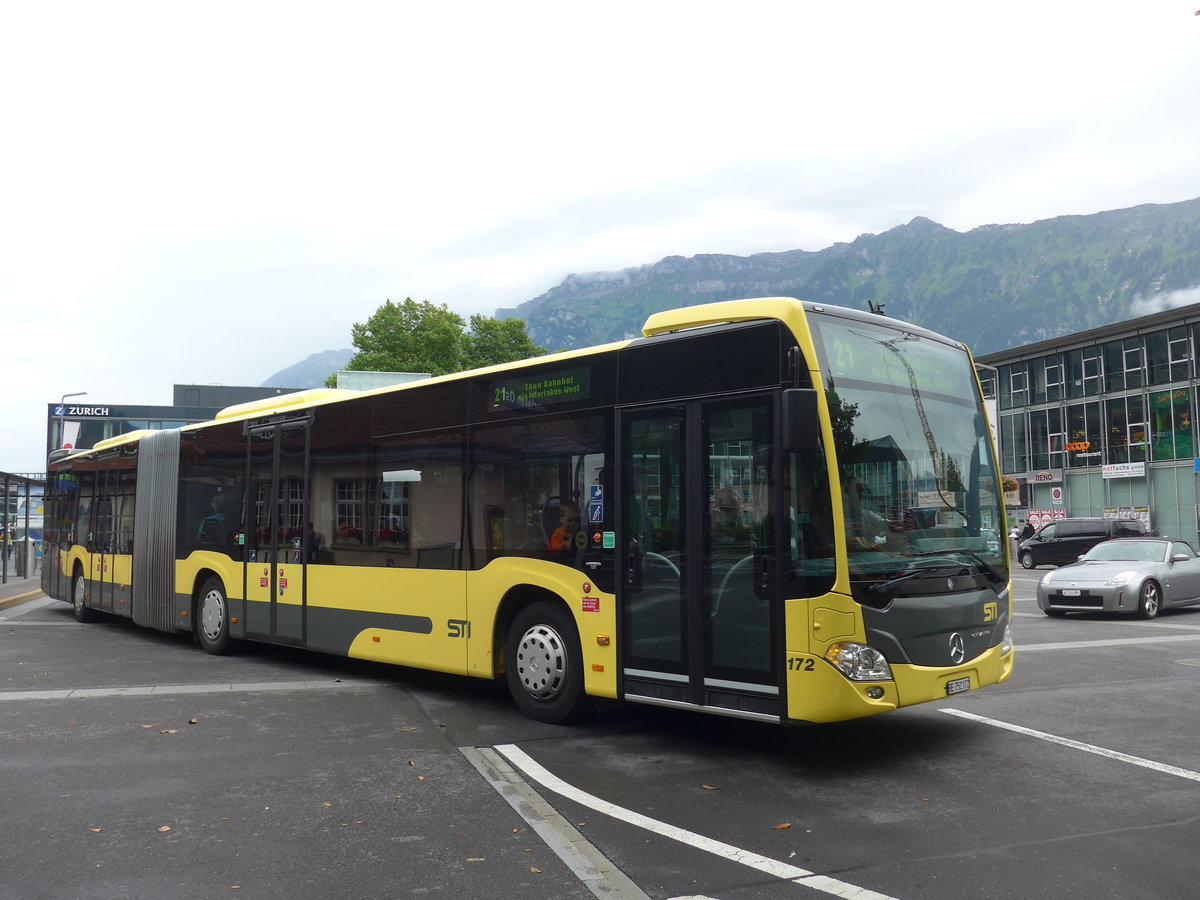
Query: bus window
[[528, 477], [410, 514], [809, 523]]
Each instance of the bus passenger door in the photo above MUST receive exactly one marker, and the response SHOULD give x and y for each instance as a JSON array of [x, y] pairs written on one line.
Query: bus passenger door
[[699, 587], [277, 518], [103, 562]]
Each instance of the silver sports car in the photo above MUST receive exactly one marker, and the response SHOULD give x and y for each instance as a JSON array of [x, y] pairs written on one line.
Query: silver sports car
[[1140, 576]]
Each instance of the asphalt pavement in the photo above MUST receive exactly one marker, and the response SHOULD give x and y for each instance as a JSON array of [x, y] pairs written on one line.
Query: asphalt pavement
[[135, 765]]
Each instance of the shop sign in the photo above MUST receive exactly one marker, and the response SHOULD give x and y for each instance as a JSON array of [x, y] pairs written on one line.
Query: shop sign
[[1124, 470], [1141, 513], [80, 411], [1045, 477], [1040, 517]]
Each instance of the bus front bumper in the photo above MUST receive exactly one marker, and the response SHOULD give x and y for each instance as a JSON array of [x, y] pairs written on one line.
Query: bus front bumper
[[819, 693]]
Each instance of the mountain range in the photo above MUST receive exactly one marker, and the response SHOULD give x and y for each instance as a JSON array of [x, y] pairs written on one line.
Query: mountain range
[[993, 287]]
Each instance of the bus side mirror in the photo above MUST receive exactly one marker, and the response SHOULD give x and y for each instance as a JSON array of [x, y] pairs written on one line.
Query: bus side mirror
[[801, 424]]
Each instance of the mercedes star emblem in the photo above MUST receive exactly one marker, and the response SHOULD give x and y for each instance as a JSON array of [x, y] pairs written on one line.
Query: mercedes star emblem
[[958, 650]]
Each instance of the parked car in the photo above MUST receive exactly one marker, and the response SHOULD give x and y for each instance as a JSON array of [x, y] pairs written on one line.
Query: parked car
[[1131, 575], [1065, 540]]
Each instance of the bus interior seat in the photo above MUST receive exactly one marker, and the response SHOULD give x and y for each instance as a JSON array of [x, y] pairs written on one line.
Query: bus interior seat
[[549, 518]]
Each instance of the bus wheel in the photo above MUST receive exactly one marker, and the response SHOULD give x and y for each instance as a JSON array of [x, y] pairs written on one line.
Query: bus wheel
[[543, 665], [83, 613], [212, 617]]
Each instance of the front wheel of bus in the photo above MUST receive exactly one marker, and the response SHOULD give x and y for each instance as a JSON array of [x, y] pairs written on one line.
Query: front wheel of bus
[[212, 617], [543, 665]]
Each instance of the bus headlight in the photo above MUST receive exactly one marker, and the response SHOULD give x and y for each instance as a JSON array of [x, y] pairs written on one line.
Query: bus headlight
[[858, 662], [1006, 642]]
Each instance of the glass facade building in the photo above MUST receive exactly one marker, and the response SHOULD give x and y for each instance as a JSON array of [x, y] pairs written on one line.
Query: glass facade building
[[1102, 422], [83, 424]]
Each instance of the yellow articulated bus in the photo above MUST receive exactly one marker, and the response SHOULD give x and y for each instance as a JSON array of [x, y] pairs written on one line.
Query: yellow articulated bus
[[764, 508]]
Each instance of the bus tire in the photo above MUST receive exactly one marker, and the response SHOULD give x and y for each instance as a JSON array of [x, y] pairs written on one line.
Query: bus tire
[[544, 666], [83, 612], [212, 617]]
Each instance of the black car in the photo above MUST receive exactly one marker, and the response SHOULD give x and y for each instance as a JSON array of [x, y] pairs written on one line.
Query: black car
[[1063, 541]]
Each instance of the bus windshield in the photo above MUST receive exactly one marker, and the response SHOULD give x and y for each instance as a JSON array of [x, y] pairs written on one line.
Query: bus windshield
[[919, 483]]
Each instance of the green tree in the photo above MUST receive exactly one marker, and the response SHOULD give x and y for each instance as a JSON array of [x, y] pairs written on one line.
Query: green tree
[[409, 337], [425, 337], [493, 341]]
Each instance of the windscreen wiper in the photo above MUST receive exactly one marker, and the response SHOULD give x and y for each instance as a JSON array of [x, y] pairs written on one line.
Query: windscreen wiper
[[883, 587], [993, 573]]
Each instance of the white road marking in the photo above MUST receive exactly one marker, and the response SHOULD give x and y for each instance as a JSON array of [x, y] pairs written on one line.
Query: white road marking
[[1162, 768], [595, 870], [1109, 642], [158, 690], [795, 874], [1125, 621]]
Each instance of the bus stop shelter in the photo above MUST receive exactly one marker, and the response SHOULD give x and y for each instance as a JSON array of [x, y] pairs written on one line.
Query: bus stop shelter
[[21, 525]]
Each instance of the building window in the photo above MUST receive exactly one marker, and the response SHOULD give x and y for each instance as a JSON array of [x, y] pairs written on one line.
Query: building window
[[1047, 437], [1084, 435], [1054, 378], [1014, 444], [1084, 367], [1171, 424], [1179, 353], [1134, 360], [1046, 375], [1126, 424], [1168, 355], [1014, 386], [1123, 364], [987, 383]]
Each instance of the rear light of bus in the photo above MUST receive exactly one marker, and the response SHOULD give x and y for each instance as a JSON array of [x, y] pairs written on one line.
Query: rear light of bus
[[858, 662]]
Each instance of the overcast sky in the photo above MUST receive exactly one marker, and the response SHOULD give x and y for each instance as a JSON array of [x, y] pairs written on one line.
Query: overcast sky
[[208, 193]]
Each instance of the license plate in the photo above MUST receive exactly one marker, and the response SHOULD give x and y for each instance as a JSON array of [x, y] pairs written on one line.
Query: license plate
[[958, 685], [1070, 592]]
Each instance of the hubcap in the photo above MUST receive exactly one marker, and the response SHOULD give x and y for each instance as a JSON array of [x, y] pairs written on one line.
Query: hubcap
[[79, 591], [541, 662], [212, 614]]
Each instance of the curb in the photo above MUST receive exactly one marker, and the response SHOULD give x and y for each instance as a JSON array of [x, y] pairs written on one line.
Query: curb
[[18, 599]]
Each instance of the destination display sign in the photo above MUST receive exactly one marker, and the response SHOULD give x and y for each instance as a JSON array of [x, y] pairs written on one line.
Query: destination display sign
[[541, 392]]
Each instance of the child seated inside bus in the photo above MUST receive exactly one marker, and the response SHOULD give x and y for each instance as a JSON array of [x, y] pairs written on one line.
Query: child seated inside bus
[[562, 540]]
